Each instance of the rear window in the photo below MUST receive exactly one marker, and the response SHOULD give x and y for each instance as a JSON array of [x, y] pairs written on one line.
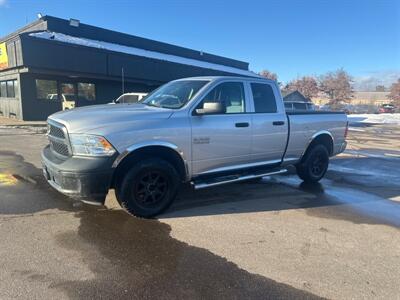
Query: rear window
[[264, 98]]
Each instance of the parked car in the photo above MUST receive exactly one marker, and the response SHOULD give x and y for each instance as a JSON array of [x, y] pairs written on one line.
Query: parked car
[[130, 98], [206, 131], [387, 109], [299, 106]]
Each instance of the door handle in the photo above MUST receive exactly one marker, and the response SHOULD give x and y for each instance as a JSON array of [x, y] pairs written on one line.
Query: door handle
[[278, 123], [244, 124]]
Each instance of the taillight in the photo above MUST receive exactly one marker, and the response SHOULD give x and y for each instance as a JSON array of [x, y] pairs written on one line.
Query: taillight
[[347, 129]]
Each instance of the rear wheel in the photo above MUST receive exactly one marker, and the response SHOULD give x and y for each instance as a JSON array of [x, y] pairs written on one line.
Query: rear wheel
[[314, 164], [148, 188]]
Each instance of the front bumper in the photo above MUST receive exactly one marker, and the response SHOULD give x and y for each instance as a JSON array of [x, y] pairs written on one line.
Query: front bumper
[[83, 178]]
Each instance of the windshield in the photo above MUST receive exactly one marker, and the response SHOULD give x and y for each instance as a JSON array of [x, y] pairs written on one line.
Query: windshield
[[174, 94]]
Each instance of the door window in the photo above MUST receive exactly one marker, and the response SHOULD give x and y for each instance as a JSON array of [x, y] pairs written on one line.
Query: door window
[[230, 95], [264, 98]]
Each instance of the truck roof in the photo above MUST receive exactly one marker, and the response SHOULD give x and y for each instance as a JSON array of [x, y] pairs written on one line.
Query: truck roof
[[214, 78]]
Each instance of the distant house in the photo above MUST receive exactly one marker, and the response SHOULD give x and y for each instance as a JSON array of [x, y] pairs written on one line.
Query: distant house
[[295, 96], [370, 98], [359, 98]]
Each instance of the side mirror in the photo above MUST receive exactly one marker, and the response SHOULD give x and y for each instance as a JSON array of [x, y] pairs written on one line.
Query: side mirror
[[210, 108]]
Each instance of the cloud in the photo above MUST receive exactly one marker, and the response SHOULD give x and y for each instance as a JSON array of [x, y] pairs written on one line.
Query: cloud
[[369, 81], [3, 2]]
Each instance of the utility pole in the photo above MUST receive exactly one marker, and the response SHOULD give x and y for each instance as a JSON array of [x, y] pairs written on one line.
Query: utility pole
[[123, 80]]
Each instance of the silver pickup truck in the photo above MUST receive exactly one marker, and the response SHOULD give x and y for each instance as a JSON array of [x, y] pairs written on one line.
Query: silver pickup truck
[[205, 131]]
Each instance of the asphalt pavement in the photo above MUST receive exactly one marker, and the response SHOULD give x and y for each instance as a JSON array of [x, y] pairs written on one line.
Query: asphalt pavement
[[277, 238]]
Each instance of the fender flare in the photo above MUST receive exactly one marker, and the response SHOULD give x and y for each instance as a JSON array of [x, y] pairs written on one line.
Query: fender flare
[[156, 143], [312, 139]]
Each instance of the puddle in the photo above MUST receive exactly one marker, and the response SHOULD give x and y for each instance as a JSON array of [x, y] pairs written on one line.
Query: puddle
[[350, 204], [23, 189]]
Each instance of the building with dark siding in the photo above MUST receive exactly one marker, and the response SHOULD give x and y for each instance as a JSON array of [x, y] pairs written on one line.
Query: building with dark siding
[[52, 63]]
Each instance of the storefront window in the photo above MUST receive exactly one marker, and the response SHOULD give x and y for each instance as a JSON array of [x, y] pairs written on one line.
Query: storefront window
[[3, 89], [16, 90], [67, 91], [46, 89], [10, 89], [86, 91]]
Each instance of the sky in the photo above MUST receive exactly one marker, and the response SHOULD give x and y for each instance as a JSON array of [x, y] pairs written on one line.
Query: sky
[[292, 38]]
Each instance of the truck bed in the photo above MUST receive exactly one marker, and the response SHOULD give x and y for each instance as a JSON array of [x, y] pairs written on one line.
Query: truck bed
[[304, 126]]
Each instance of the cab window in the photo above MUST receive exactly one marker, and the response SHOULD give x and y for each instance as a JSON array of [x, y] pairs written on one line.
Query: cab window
[[264, 98], [230, 95]]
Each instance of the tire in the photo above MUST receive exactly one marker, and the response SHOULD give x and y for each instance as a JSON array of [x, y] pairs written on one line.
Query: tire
[[314, 164], [148, 187]]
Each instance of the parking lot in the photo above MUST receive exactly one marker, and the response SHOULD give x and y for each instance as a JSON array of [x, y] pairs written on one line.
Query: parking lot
[[277, 238]]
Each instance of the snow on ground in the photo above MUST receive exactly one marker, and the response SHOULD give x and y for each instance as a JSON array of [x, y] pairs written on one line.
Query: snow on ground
[[375, 118], [60, 37]]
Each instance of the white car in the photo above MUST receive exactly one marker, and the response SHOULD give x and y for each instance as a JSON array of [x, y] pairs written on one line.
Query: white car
[[130, 98]]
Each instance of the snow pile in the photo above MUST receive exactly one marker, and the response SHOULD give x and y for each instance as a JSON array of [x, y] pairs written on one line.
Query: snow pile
[[60, 37], [375, 118]]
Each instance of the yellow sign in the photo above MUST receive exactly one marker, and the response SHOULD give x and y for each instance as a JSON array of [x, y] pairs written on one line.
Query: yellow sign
[[3, 56]]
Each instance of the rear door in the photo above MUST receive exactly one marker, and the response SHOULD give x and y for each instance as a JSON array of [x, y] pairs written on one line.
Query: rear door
[[222, 141], [269, 123]]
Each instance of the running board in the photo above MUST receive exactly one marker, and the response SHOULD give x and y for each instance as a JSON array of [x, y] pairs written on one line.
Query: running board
[[233, 178]]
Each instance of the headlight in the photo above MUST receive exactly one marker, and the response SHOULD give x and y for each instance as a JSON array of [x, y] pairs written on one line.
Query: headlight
[[90, 145]]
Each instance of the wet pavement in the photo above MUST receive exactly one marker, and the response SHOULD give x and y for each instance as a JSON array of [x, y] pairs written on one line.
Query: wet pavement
[[277, 238]]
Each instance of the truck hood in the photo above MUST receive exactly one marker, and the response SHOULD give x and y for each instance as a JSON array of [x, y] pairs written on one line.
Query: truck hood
[[88, 119]]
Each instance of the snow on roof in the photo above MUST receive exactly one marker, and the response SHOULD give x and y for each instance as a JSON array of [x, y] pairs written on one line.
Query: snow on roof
[[137, 51]]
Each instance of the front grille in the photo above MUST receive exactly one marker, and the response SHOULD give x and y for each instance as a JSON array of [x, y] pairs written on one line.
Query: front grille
[[59, 148], [56, 132], [58, 138]]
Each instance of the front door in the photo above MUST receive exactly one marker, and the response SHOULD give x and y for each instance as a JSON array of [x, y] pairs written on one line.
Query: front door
[[222, 141]]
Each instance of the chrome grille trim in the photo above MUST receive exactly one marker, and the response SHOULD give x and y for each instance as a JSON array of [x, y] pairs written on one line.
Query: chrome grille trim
[[58, 138]]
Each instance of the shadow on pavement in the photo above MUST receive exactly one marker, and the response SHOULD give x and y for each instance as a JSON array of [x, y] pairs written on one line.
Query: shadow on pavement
[[137, 258]]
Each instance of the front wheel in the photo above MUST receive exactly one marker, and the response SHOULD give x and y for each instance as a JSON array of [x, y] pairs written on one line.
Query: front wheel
[[148, 188], [314, 165]]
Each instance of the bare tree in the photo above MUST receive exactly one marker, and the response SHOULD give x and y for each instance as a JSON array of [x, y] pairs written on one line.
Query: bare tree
[[306, 85], [269, 75], [337, 86], [394, 94]]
